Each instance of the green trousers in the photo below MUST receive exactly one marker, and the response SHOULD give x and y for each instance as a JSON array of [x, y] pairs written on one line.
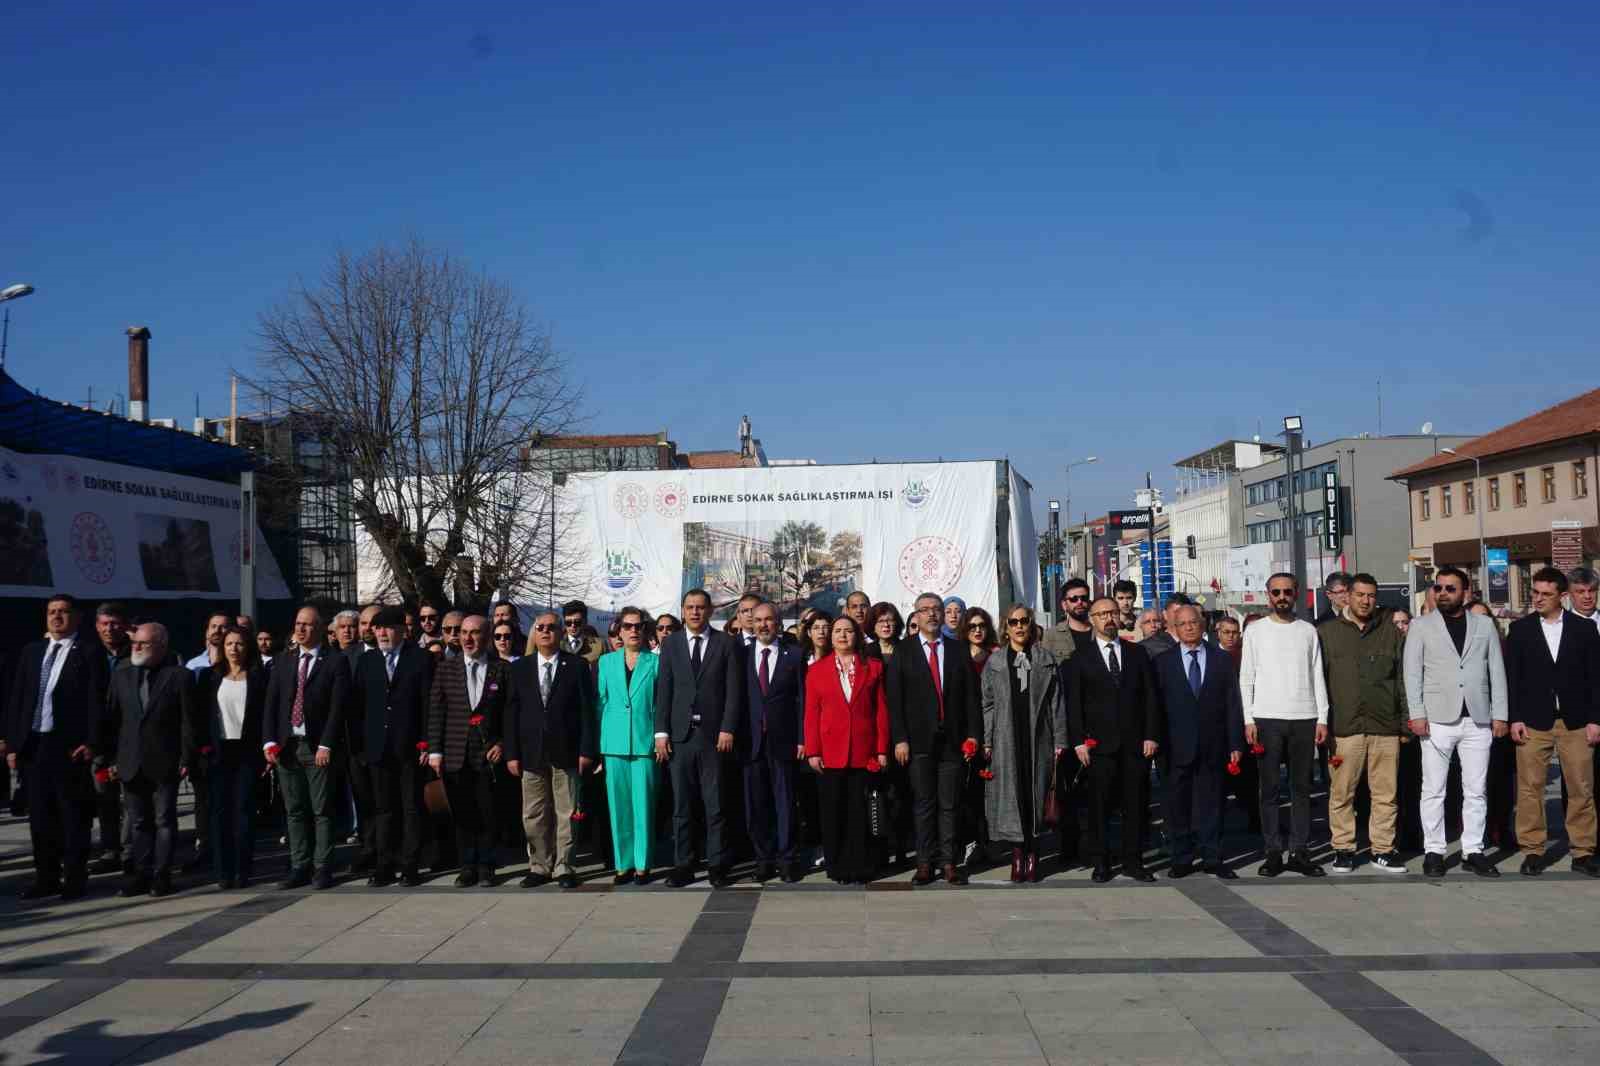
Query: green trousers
[[307, 805], [631, 795]]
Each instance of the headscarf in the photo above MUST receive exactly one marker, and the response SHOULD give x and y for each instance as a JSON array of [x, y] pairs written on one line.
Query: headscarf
[[944, 627]]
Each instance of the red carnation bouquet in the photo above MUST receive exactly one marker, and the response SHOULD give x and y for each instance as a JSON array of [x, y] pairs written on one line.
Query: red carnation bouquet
[[422, 746], [1258, 750], [969, 747]]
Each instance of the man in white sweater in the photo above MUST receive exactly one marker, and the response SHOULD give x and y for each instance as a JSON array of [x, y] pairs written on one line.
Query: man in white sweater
[[1286, 712]]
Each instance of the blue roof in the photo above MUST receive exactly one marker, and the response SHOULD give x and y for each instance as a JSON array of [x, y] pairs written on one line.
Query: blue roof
[[31, 423]]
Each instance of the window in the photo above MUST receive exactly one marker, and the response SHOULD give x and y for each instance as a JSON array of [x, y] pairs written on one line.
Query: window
[[1547, 484], [1446, 506], [1469, 497], [1580, 480], [1494, 494], [1424, 508], [1519, 489]]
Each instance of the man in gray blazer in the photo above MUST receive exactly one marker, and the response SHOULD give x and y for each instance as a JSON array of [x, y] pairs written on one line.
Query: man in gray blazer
[[1456, 675], [698, 686]]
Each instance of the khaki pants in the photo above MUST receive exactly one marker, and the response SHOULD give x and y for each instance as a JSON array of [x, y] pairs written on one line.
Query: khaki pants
[[1378, 757], [1577, 770], [547, 819]]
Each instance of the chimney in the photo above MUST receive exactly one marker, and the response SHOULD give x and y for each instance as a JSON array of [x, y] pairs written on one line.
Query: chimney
[[138, 373]]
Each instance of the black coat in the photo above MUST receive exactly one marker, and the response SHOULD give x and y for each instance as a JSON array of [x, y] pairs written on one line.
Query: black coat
[[78, 701], [1206, 727], [158, 735], [714, 694], [914, 705], [255, 703], [1116, 717], [776, 716], [557, 731], [1535, 683], [391, 715], [327, 694]]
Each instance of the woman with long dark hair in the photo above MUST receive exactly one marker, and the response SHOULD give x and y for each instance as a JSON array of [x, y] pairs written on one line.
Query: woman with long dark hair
[[234, 692]]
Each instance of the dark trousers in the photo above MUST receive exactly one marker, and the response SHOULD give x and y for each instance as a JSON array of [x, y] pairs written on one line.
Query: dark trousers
[[696, 772], [769, 803], [233, 811], [936, 793], [200, 785], [395, 788], [307, 805], [361, 794], [1194, 809], [153, 813], [1292, 742], [1500, 790], [60, 807], [471, 794], [1408, 786], [1125, 775], [108, 813], [842, 796]]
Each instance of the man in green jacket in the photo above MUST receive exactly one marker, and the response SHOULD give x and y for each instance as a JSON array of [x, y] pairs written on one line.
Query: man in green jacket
[[1363, 659], [1063, 638]]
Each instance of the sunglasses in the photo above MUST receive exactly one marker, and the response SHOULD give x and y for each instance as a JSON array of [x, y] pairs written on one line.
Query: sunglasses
[[1016, 621], [498, 637], [976, 627], [573, 623], [1445, 588], [452, 629], [630, 625], [1076, 599], [1275, 593], [430, 618], [546, 628]]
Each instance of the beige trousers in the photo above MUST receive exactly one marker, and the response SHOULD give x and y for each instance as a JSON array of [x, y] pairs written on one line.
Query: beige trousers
[[1577, 770], [1378, 757], [547, 820]]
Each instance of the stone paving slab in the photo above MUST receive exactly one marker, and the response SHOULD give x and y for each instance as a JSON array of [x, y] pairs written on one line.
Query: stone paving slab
[[117, 1023]]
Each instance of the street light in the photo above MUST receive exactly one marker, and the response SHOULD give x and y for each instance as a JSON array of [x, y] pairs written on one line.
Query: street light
[[1085, 461], [11, 292], [1477, 506]]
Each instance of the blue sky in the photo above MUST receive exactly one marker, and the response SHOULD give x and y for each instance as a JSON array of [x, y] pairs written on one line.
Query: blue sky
[[886, 230]]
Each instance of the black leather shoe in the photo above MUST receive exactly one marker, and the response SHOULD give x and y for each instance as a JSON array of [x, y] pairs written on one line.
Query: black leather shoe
[[643, 878], [568, 880], [382, 877], [297, 878], [1179, 870], [923, 876], [1532, 866], [1221, 872], [323, 880], [76, 884], [134, 886], [533, 880], [766, 871], [363, 862], [1301, 863], [467, 877], [1479, 864], [1101, 874], [680, 877], [162, 885], [487, 877], [1433, 865], [791, 874], [106, 864], [1138, 873], [1273, 866], [718, 876], [1588, 867], [40, 890], [227, 884], [411, 877], [623, 877]]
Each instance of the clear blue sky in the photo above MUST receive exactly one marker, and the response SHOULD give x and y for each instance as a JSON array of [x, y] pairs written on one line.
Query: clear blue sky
[[883, 230]]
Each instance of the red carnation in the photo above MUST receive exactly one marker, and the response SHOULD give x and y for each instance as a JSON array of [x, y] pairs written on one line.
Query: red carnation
[[422, 745], [1233, 769], [969, 747], [986, 774], [579, 815], [272, 748], [475, 720], [205, 749], [1258, 750], [102, 777], [1336, 761], [1091, 743]]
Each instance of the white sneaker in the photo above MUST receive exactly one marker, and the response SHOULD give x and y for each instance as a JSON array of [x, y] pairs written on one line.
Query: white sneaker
[[1389, 864]]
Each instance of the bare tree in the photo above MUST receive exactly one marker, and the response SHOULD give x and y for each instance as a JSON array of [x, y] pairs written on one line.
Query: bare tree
[[435, 381]]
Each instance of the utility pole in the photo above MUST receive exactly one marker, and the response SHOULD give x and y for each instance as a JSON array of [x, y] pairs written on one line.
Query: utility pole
[[1292, 428], [1150, 534], [1055, 559]]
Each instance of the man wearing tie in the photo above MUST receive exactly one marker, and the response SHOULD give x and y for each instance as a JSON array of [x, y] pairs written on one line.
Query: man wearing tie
[[769, 740], [936, 723], [1205, 734], [552, 739], [465, 719], [392, 684], [306, 697], [58, 725], [111, 625], [159, 740], [698, 689], [1113, 720]]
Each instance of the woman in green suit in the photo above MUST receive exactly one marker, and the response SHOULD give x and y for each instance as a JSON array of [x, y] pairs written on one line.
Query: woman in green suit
[[627, 686]]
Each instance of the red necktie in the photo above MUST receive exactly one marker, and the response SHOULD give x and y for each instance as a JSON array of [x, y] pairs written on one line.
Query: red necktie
[[297, 713], [763, 674], [938, 685]]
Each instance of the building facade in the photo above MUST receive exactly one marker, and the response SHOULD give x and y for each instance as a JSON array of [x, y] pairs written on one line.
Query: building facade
[[1200, 517]]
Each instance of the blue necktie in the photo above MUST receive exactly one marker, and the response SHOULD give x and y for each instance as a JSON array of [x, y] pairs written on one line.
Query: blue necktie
[[44, 685], [1194, 672]]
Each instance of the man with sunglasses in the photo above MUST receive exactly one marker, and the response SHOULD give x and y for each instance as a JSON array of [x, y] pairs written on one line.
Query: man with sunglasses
[[1285, 696], [450, 626], [1073, 631], [428, 616], [576, 636], [1456, 691]]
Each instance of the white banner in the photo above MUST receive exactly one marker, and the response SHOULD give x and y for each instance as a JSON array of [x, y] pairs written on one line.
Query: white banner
[[103, 530], [798, 535]]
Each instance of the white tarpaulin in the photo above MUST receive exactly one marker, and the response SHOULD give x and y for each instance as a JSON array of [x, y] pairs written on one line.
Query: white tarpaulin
[[101, 530], [796, 534]]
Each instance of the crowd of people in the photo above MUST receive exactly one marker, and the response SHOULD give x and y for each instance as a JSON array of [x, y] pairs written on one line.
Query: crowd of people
[[848, 744]]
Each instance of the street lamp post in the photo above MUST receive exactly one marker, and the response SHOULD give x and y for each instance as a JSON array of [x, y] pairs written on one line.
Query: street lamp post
[[1292, 428], [1085, 461], [12, 292], [1477, 507]]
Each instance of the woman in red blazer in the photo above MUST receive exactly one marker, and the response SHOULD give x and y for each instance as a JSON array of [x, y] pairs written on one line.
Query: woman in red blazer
[[847, 738]]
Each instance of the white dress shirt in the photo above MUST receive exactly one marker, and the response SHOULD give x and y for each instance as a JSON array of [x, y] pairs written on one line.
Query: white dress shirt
[[1552, 635], [231, 702], [1105, 647], [476, 669], [47, 715]]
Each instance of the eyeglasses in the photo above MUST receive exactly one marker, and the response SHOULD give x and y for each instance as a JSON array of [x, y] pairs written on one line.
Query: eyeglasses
[[665, 630], [1282, 592], [1446, 588], [429, 617], [976, 627], [573, 623], [452, 629], [1017, 621], [630, 625], [498, 637], [1076, 599], [545, 628]]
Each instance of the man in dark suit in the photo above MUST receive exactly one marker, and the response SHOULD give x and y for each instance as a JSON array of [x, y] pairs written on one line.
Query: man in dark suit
[[466, 719], [352, 765], [1205, 733], [111, 626], [58, 726], [1113, 720], [307, 695], [698, 689], [768, 735], [153, 702], [552, 739], [936, 724], [1552, 668], [390, 694]]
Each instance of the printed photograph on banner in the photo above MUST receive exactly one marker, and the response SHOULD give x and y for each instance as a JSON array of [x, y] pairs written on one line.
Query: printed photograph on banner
[[24, 548], [175, 554], [794, 563]]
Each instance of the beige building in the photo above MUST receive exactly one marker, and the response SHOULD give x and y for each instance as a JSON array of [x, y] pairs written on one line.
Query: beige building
[[1531, 485]]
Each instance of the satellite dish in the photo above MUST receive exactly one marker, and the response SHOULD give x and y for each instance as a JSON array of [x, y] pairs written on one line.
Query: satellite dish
[[1427, 428]]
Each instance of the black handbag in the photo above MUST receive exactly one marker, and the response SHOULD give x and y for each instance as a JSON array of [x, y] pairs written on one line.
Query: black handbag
[[878, 820]]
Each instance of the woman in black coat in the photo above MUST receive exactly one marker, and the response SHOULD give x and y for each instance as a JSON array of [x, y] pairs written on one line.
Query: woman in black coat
[[234, 692]]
